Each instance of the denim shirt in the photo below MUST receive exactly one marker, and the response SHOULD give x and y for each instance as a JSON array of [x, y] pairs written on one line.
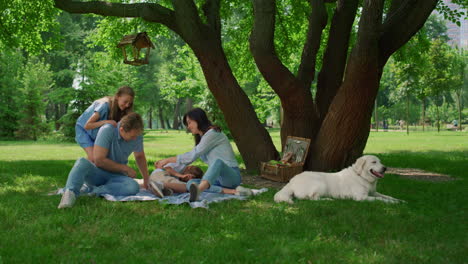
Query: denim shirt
[[98, 106], [213, 145]]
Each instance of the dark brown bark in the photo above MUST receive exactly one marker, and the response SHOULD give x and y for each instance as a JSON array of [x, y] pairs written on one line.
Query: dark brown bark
[[345, 129], [334, 61], [317, 22]]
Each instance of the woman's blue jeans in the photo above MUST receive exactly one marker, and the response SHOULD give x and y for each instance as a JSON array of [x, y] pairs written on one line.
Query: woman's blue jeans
[[220, 176], [101, 181]]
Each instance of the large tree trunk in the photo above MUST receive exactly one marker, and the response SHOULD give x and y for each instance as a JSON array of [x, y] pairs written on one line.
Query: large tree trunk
[[330, 77], [345, 129], [237, 109]]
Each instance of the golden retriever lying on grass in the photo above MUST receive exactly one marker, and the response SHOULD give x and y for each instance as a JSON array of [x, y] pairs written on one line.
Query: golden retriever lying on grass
[[357, 182]]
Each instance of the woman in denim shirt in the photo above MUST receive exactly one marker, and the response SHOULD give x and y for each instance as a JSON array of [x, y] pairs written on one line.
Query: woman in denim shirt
[[107, 110], [212, 147]]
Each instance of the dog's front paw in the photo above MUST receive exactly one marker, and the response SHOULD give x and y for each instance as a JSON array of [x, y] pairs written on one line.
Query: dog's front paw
[[397, 201]]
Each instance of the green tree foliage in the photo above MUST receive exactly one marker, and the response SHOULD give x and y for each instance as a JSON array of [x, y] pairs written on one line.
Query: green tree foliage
[[36, 80], [64, 60], [22, 24], [422, 69], [10, 66], [458, 78]]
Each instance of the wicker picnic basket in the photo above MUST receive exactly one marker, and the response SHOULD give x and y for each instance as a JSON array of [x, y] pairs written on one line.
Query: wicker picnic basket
[[294, 155]]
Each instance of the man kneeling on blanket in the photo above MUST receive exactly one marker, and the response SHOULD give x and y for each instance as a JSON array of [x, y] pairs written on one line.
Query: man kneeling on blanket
[[110, 174], [172, 173]]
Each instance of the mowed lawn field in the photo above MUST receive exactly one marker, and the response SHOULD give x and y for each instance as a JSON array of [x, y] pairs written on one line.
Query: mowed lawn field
[[430, 228]]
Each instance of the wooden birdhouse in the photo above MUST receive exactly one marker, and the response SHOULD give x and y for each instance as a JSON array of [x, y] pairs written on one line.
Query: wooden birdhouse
[[135, 43]]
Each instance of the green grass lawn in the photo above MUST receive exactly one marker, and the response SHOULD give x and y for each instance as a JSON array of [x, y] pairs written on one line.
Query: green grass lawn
[[430, 228]]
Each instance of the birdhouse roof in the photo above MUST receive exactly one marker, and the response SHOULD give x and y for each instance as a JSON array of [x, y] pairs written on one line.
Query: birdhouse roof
[[141, 38]]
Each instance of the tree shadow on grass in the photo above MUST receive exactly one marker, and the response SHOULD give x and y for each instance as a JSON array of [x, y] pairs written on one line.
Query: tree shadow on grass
[[33, 175], [453, 163]]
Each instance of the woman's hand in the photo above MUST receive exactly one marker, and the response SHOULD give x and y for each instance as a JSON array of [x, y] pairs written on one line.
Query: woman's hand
[[161, 163], [112, 122]]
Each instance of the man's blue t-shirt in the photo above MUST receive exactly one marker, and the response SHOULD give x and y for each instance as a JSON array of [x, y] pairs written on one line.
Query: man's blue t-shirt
[[109, 137], [98, 106]]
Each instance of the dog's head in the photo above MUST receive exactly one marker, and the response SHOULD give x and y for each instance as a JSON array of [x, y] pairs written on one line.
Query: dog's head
[[369, 167]]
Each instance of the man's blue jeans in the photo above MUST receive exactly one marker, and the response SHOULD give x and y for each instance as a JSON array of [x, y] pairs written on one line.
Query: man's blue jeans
[[220, 176], [101, 181]]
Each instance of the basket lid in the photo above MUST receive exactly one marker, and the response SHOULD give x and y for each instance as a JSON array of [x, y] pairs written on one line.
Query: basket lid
[[296, 149]]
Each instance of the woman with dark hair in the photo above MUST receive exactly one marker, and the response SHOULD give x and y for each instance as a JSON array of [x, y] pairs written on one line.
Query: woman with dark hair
[[213, 147]]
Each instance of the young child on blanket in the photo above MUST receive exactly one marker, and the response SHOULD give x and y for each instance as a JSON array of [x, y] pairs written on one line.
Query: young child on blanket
[[172, 173]]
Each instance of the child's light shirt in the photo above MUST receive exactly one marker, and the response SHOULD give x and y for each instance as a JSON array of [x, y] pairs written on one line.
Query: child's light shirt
[[164, 176]]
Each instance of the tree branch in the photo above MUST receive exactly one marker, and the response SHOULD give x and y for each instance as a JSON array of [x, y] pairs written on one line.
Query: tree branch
[[147, 11], [334, 59], [317, 22], [190, 26], [263, 50], [211, 11], [402, 23]]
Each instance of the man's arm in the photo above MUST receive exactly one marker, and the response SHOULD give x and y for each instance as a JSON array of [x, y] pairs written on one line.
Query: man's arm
[[101, 161], [140, 159]]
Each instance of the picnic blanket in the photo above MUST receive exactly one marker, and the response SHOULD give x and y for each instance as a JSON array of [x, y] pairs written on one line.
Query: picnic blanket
[[145, 195]]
